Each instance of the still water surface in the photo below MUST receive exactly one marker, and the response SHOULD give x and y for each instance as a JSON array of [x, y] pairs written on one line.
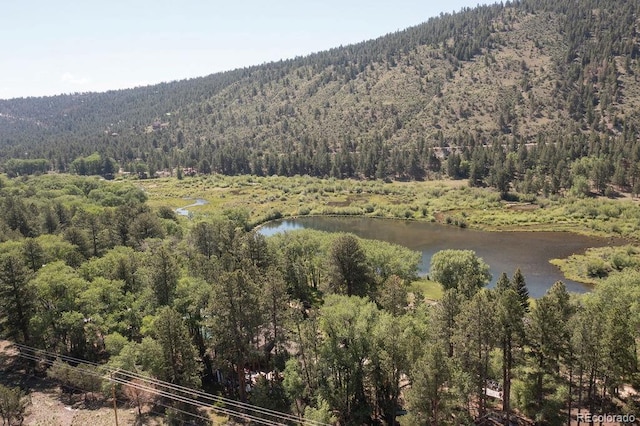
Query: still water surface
[[503, 251], [184, 211]]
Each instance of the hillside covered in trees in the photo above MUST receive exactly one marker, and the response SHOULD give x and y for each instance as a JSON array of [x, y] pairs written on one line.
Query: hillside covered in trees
[[506, 95]]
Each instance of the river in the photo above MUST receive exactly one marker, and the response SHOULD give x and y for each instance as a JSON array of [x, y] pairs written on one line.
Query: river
[[184, 210], [502, 251]]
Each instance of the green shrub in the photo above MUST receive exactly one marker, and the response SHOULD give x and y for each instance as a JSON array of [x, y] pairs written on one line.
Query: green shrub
[[273, 214], [597, 268], [13, 405]]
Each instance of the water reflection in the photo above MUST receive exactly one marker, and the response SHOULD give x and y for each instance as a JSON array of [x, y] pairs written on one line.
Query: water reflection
[[503, 251], [183, 211]]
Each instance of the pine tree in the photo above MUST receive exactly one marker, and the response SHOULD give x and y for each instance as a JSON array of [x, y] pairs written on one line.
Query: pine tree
[[179, 365], [548, 336], [475, 336], [16, 297], [164, 274], [503, 283], [235, 316], [350, 274], [427, 397], [511, 335], [520, 286]]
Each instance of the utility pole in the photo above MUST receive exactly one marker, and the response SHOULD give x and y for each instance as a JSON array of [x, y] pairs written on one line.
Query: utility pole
[[113, 395]]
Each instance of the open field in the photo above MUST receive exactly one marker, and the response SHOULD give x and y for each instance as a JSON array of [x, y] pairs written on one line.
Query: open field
[[431, 290]]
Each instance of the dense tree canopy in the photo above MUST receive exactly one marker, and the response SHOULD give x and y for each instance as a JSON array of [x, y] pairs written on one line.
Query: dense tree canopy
[[335, 319], [531, 97]]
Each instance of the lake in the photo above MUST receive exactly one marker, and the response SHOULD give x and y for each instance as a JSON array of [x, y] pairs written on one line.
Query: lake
[[502, 251]]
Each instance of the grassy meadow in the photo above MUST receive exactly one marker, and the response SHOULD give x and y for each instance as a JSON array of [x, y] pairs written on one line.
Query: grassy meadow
[[445, 201]]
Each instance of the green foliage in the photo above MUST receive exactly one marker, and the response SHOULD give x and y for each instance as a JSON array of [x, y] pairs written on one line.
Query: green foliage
[[461, 270], [21, 167], [350, 274], [523, 395], [388, 259], [393, 295], [234, 316], [94, 164], [473, 339], [269, 394], [427, 398], [13, 405], [293, 382], [163, 275], [414, 104], [146, 357], [178, 362], [580, 187], [599, 263], [343, 350], [306, 259], [548, 336], [17, 298], [215, 295], [114, 343], [86, 378], [321, 412]]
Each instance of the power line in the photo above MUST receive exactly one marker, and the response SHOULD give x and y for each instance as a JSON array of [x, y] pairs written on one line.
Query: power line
[[119, 400], [161, 393], [150, 383], [214, 398]]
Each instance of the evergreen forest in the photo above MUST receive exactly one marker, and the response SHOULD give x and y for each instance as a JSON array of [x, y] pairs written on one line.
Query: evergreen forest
[[519, 114], [541, 96], [325, 327]]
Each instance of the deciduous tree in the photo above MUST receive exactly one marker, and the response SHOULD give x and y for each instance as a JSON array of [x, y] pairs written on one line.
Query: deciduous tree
[[460, 269]]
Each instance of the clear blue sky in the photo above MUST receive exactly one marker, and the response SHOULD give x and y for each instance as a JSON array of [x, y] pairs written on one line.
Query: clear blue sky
[[50, 47]]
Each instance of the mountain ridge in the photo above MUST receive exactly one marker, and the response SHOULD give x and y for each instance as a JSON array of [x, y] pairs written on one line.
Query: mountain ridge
[[510, 74]]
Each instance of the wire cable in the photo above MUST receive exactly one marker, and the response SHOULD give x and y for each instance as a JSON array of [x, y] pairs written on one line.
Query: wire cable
[[124, 402], [181, 393], [183, 389], [164, 394], [189, 391], [168, 395]]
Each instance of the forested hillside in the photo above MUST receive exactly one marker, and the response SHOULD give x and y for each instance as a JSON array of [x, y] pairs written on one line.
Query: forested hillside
[[508, 95]]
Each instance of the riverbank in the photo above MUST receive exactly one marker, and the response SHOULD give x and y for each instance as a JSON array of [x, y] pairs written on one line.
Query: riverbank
[[531, 252], [449, 202]]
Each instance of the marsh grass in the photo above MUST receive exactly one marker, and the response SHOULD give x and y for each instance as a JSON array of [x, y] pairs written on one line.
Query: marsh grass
[[599, 263], [445, 201]]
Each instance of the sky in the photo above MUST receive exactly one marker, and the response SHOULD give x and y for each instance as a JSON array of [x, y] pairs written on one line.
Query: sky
[[68, 46]]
